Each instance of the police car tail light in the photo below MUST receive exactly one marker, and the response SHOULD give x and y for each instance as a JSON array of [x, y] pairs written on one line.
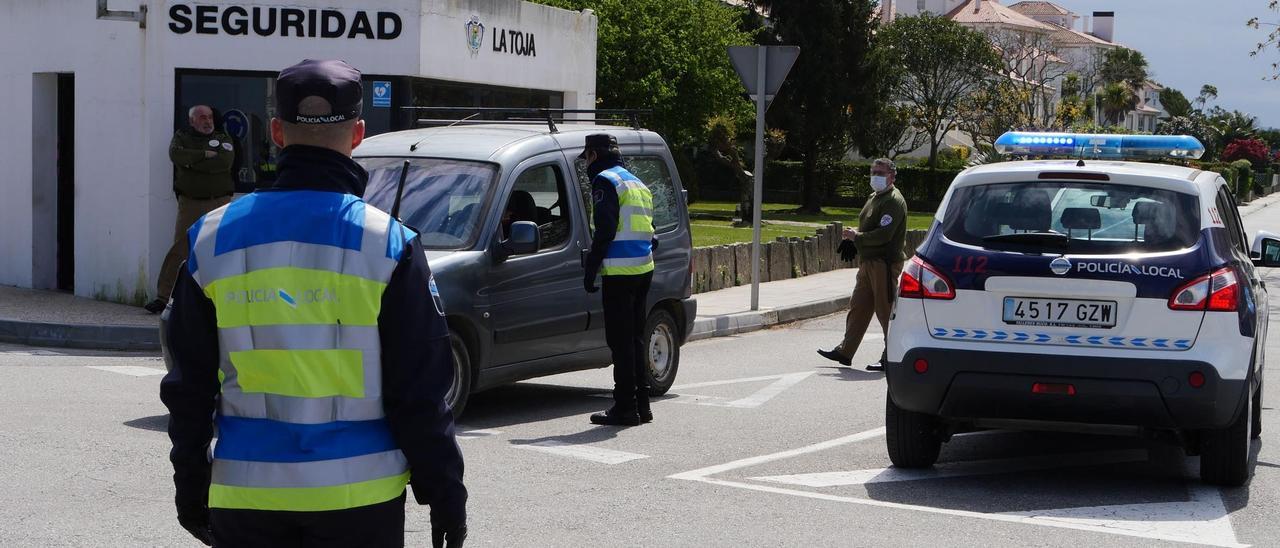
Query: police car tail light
[[921, 281], [1224, 291], [1218, 291]]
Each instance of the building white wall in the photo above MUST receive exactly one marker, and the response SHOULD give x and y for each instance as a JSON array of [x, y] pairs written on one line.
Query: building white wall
[[124, 105]]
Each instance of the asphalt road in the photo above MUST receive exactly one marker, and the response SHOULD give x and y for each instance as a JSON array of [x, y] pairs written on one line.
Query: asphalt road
[[761, 443]]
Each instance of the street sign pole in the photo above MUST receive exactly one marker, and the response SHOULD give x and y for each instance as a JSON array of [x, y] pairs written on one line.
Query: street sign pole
[[757, 196], [762, 70]]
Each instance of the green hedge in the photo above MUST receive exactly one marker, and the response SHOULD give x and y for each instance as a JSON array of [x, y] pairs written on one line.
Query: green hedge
[[849, 182]]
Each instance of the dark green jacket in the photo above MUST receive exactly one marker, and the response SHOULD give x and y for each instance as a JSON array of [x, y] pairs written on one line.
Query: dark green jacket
[[196, 176], [882, 227]]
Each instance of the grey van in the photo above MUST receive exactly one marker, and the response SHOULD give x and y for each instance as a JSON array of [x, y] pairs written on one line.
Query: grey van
[[503, 214]]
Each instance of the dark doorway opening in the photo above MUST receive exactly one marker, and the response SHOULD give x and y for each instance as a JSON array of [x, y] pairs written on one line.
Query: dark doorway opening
[[66, 182]]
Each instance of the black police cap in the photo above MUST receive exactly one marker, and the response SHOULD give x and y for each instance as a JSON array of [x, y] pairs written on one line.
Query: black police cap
[[599, 141], [334, 81]]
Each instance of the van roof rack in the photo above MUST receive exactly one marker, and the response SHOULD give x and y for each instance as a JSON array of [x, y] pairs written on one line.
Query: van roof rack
[[531, 116]]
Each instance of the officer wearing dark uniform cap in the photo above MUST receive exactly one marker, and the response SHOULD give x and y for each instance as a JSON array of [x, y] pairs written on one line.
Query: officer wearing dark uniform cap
[[303, 327]]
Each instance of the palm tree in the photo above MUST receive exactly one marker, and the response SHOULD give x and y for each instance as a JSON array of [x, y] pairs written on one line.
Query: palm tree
[[1117, 99]]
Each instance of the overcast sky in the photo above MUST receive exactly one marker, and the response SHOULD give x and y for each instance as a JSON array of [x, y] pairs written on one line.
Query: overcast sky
[[1189, 43]]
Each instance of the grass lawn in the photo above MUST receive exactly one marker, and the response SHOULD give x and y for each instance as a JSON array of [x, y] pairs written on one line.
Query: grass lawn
[[716, 232], [706, 233]]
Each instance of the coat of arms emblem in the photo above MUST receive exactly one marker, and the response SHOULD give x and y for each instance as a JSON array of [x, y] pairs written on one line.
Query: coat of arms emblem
[[475, 33]]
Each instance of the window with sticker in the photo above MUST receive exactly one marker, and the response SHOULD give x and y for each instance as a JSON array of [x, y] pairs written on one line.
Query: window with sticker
[[1049, 216]]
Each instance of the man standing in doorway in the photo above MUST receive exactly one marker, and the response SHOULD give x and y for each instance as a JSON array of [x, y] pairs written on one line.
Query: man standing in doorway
[[622, 252], [202, 183], [879, 238], [303, 326]]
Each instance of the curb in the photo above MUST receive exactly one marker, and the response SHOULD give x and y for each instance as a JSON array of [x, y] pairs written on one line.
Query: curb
[[130, 338], [93, 337], [746, 322]]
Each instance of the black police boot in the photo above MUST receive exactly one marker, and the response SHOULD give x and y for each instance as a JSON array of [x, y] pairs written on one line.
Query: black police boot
[[156, 306], [642, 405], [616, 417]]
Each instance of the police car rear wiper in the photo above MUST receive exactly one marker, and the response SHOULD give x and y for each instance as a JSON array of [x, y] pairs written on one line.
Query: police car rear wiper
[[1040, 238]]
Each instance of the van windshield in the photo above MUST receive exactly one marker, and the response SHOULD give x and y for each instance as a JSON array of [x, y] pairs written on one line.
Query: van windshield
[[1072, 217], [444, 200]]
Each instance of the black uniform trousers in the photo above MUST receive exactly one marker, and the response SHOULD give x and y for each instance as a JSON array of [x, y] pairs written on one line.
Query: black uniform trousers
[[625, 313], [374, 526]]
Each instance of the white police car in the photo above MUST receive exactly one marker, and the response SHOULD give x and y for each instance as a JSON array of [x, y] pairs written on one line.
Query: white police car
[[1083, 295]]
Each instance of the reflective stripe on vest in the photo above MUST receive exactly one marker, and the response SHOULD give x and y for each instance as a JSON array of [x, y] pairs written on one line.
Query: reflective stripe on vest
[[296, 279], [631, 252]]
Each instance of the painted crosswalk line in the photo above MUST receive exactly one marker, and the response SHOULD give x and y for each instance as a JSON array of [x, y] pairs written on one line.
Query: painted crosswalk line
[[583, 452], [131, 370]]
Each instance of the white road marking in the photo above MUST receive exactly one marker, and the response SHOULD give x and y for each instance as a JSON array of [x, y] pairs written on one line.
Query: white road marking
[[32, 353], [132, 370], [1202, 520], [473, 434], [958, 469], [760, 397], [584, 452]]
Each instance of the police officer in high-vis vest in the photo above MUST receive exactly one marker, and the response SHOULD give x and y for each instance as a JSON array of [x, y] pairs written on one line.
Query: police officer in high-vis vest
[[303, 328], [622, 252]]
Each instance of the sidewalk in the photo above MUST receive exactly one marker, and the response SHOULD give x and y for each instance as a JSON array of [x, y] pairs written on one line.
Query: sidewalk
[[49, 318]]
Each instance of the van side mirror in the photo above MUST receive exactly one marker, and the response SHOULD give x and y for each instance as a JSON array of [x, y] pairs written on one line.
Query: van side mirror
[[524, 239], [1269, 255]]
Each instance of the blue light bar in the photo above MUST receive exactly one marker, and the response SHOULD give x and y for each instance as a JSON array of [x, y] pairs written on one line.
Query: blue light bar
[[1021, 143]]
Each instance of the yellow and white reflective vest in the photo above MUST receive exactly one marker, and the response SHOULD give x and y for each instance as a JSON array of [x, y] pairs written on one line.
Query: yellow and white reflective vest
[[631, 252], [296, 279]]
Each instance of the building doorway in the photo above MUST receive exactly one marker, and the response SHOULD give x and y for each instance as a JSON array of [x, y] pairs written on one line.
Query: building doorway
[[66, 209]]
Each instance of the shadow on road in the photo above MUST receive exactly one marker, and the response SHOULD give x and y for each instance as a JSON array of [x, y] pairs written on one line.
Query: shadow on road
[[529, 402], [591, 435], [158, 423], [857, 374]]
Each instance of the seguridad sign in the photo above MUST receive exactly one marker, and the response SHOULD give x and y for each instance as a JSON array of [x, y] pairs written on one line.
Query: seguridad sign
[[270, 21]]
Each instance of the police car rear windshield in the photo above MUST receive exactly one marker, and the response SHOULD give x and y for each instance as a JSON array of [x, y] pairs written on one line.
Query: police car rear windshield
[[444, 200], [1075, 217]]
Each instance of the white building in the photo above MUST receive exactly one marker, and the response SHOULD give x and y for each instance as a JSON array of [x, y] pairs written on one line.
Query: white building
[[89, 205]]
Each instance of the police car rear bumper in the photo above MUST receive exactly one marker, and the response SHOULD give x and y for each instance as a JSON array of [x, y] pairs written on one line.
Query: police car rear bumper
[[969, 385]]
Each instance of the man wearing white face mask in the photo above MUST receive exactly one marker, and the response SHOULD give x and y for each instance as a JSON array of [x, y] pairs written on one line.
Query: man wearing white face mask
[[881, 232]]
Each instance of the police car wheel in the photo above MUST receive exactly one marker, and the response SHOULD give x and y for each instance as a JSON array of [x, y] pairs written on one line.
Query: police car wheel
[[1224, 452], [662, 352], [913, 439], [460, 388]]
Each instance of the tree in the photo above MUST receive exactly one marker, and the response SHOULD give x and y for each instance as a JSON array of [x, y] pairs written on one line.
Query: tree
[[1271, 40], [941, 64], [834, 91], [1231, 126], [994, 108], [1175, 103], [1032, 62], [891, 135], [1208, 92], [1117, 99], [1123, 65], [668, 55]]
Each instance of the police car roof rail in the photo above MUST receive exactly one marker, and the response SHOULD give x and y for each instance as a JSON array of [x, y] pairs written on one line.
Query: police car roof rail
[[533, 116]]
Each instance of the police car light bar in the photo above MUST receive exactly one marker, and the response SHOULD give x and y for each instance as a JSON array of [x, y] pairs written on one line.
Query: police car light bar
[[1099, 146]]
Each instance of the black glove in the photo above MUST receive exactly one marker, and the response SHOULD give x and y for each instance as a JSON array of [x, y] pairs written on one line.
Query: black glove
[[450, 538], [196, 522], [653, 244], [848, 251], [589, 283]]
